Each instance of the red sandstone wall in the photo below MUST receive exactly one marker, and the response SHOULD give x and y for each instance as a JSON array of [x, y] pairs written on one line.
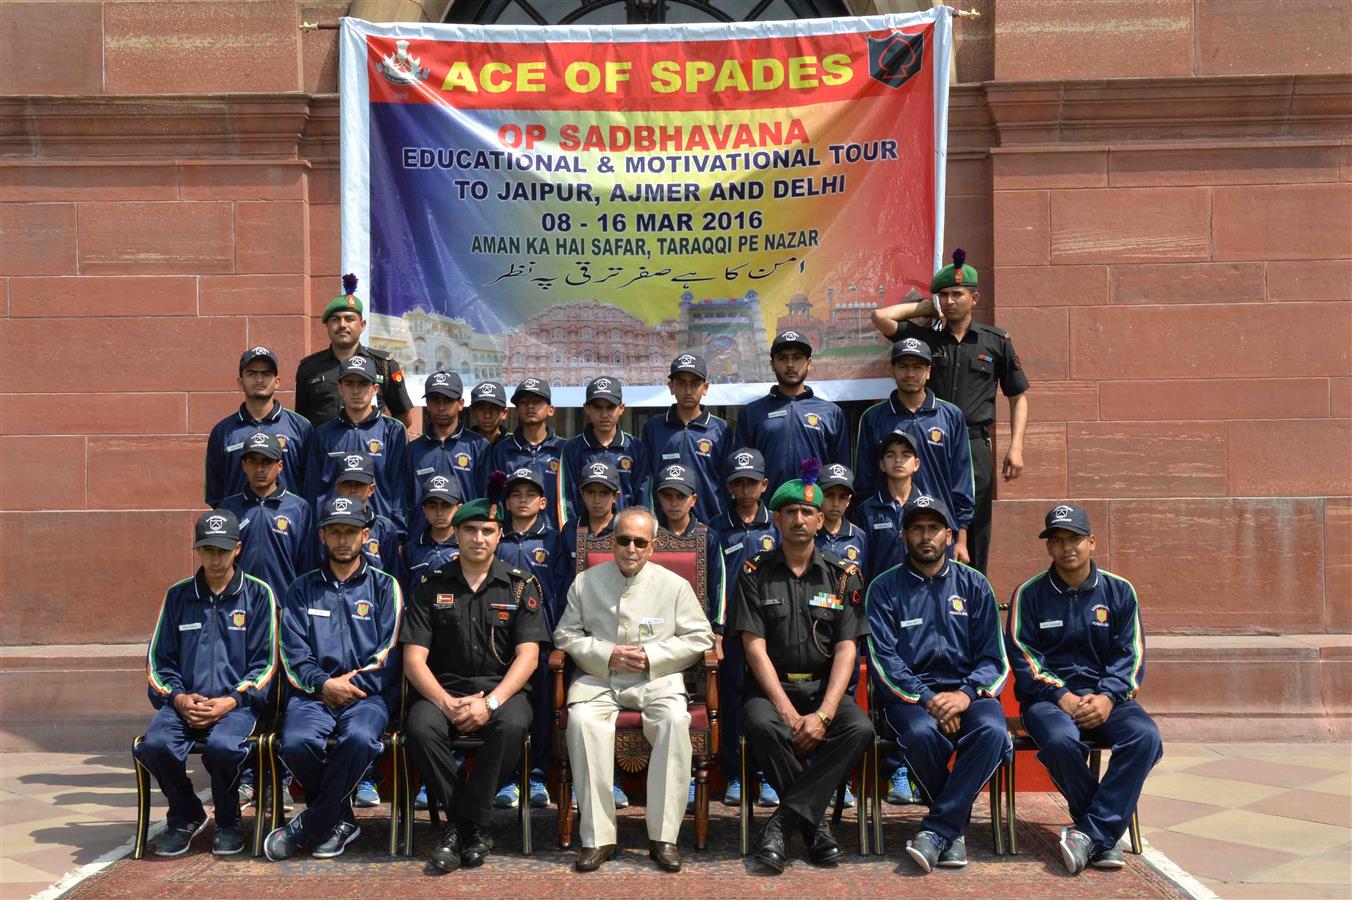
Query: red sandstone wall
[[1172, 256]]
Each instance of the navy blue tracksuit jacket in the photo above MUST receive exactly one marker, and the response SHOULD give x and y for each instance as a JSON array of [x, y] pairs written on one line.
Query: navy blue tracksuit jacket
[[540, 550], [1083, 640], [849, 543], [386, 441], [625, 453], [940, 435], [787, 430], [215, 646], [703, 445], [225, 449], [514, 452], [274, 532], [929, 635]]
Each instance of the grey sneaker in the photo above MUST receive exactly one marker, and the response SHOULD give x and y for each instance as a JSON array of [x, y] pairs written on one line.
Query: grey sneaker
[[1075, 849], [343, 834], [176, 839], [247, 794], [955, 857], [228, 841], [1111, 858], [287, 841], [925, 849]]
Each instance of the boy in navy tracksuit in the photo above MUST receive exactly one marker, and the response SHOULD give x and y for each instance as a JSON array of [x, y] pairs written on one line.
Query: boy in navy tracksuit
[[436, 545], [938, 660], [448, 447], [210, 666], [791, 423], [532, 545], [534, 445], [744, 529], [259, 412], [1074, 637], [340, 624], [884, 546], [676, 504], [838, 535], [488, 411], [602, 440], [690, 436], [599, 489], [274, 523], [360, 428], [941, 437]]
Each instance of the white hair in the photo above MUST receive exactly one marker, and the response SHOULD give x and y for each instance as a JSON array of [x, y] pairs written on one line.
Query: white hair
[[637, 511]]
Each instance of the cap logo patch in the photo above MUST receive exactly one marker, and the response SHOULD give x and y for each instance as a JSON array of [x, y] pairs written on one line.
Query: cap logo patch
[[357, 362], [791, 336], [685, 360], [675, 472], [836, 470], [216, 524], [260, 350], [529, 384], [743, 460], [341, 505], [522, 473], [910, 344], [258, 440], [351, 302], [923, 502], [439, 483], [598, 469], [601, 384], [809, 492], [352, 463], [1061, 514]]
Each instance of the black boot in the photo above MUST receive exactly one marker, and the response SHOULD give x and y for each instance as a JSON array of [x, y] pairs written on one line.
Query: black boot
[[821, 843], [772, 843], [475, 844]]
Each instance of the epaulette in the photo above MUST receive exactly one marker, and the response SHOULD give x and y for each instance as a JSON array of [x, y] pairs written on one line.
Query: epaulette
[[993, 329], [844, 564], [754, 562]]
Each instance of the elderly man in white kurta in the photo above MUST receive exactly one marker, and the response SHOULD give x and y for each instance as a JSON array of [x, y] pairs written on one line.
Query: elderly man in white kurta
[[631, 628]]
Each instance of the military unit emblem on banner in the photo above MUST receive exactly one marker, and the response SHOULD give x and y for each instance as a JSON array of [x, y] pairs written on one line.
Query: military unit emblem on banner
[[897, 58], [401, 67]]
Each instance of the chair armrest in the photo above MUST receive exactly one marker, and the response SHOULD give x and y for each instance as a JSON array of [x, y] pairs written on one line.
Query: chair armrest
[[558, 660], [710, 667], [861, 692]]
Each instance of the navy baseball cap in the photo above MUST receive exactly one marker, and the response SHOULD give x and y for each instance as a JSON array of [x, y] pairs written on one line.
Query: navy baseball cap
[[924, 503], [746, 463], [527, 474], [257, 353], [1068, 517], [357, 467], [600, 472], [356, 364], [447, 384], [604, 388], [216, 528], [536, 386], [677, 477], [897, 436], [489, 392], [442, 488], [786, 339], [912, 347], [692, 363], [263, 444], [836, 474], [342, 511]]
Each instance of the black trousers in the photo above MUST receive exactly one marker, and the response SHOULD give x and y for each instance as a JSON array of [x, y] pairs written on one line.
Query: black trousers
[[467, 798], [983, 472], [804, 788]]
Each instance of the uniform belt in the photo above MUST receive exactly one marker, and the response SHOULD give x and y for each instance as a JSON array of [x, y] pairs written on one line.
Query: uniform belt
[[978, 432]]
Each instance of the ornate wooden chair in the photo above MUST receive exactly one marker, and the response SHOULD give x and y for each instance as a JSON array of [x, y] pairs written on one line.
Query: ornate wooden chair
[[687, 557]]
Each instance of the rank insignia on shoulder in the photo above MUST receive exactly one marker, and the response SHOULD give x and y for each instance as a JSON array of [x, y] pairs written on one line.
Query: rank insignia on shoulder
[[749, 566], [518, 573], [856, 598], [424, 580], [532, 604]]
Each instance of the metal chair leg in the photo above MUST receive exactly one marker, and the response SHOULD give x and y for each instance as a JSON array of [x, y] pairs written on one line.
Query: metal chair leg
[[410, 814], [1135, 831], [860, 804], [996, 787], [261, 802], [524, 805], [277, 817], [877, 792], [744, 810], [142, 803], [396, 808], [1011, 810]]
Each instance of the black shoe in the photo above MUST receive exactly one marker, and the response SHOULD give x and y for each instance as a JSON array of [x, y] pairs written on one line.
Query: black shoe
[[589, 859], [228, 841], [176, 839], [823, 850], [287, 841], [343, 834], [667, 857], [446, 854], [955, 857], [926, 848], [772, 843], [475, 844]]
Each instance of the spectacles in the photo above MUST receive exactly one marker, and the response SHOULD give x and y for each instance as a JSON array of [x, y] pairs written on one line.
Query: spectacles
[[625, 540]]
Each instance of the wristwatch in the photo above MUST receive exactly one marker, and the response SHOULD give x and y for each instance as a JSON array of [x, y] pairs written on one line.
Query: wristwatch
[[493, 703], [826, 720]]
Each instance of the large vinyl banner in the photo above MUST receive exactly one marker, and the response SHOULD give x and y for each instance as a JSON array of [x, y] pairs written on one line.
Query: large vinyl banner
[[571, 201]]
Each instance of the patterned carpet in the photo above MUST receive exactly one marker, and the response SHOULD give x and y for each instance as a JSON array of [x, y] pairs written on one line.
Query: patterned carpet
[[365, 870]]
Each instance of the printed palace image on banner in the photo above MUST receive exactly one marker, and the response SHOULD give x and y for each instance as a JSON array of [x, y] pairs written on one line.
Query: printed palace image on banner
[[572, 201]]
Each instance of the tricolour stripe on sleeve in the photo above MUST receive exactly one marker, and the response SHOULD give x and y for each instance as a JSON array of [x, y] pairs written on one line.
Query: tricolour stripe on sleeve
[[152, 675], [995, 687], [877, 666], [1035, 664], [266, 675], [1137, 637], [383, 653]]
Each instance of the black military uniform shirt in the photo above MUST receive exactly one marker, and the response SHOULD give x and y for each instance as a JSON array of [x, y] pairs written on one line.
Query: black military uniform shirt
[[965, 374], [801, 618], [472, 636], [317, 385]]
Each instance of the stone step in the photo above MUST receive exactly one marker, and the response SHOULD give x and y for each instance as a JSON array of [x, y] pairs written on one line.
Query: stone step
[[92, 697]]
